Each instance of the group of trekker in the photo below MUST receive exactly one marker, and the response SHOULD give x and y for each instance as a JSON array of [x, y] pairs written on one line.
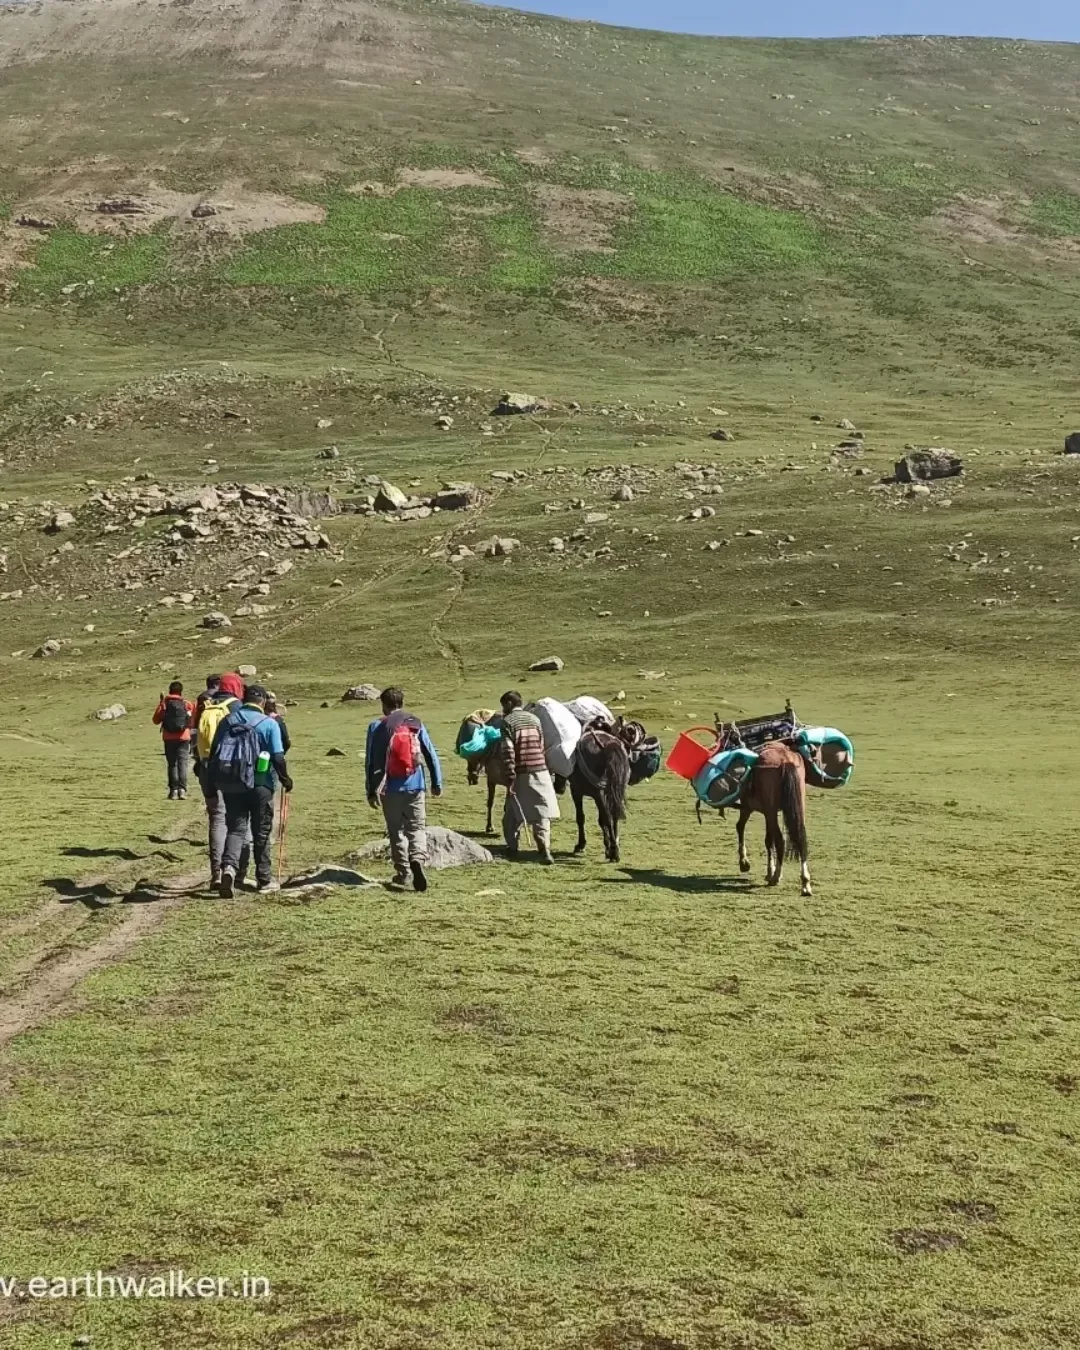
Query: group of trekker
[[238, 740]]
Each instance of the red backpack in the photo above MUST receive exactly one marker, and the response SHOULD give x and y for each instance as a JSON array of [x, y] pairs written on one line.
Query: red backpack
[[403, 751]]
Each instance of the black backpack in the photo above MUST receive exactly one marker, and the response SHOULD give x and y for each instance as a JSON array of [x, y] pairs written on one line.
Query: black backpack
[[175, 717]]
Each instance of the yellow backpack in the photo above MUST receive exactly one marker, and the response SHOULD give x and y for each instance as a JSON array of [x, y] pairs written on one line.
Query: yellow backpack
[[212, 717]]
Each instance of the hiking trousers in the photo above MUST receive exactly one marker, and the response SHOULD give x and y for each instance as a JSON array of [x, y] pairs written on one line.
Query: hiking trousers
[[253, 810], [405, 814], [513, 821], [215, 821], [176, 761]]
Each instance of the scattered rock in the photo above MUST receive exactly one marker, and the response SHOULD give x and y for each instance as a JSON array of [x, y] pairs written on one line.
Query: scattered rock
[[62, 520], [921, 465], [596, 517], [557, 545], [549, 663], [623, 493], [390, 498], [331, 452], [444, 423], [918, 490], [1072, 443], [246, 672], [501, 547], [215, 619], [35, 223], [335, 753], [48, 648], [446, 848], [846, 424], [456, 497], [324, 423], [722, 434], [510, 405], [361, 693], [222, 642], [112, 713]]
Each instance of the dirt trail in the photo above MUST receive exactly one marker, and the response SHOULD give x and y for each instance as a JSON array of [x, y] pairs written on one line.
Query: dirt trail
[[47, 975], [55, 975]]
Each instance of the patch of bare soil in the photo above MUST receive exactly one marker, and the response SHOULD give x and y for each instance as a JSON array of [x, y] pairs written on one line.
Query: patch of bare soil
[[16, 247], [343, 37], [580, 220], [608, 297], [128, 210], [534, 154], [445, 180], [979, 220]]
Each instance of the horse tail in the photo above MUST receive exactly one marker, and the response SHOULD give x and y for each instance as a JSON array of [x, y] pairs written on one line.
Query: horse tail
[[617, 780], [610, 778], [793, 808]]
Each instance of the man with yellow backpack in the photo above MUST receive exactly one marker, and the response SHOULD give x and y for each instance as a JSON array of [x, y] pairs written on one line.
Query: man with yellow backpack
[[223, 693]]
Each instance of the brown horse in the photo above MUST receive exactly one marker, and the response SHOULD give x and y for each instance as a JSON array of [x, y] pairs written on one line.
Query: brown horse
[[777, 790], [602, 772]]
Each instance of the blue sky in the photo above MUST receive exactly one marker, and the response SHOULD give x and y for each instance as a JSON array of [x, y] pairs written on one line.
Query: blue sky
[[1054, 20]]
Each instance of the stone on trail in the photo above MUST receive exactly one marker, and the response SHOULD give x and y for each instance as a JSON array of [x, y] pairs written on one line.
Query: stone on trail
[[328, 875], [361, 693], [215, 619], [921, 465], [446, 848], [846, 424], [501, 547], [1072, 443], [623, 493], [549, 663], [335, 753], [112, 713], [62, 520], [390, 498], [596, 517], [222, 642], [248, 672], [48, 648], [721, 434]]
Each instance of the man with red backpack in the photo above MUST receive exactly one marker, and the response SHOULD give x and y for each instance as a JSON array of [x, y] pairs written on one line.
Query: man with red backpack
[[174, 716], [398, 747]]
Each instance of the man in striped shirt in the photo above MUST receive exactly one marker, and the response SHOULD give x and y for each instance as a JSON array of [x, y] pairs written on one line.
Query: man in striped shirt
[[530, 799]]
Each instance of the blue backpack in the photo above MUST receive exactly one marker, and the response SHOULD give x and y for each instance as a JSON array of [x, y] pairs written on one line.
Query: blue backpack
[[235, 755]]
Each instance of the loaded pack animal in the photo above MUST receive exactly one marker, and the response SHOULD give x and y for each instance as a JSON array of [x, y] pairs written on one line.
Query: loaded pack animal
[[610, 757], [778, 791]]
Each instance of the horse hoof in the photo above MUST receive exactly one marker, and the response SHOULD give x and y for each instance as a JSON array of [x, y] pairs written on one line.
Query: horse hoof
[[807, 892], [744, 867], [772, 881], [579, 848]]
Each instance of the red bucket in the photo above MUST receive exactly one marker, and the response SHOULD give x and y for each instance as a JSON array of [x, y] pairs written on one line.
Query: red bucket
[[688, 756]]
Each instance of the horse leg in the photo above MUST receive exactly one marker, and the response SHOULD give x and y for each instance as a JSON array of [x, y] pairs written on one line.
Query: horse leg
[[740, 830], [807, 889], [579, 807], [609, 828], [490, 806], [778, 852]]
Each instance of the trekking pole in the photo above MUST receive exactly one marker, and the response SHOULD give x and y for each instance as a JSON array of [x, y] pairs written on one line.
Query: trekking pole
[[283, 821]]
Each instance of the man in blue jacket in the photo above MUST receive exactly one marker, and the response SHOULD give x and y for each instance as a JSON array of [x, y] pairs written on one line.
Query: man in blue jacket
[[398, 747], [251, 809]]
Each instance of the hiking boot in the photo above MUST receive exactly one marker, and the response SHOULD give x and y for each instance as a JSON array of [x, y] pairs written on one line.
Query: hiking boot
[[172, 794], [546, 860], [228, 880], [419, 876], [268, 887], [215, 880], [181, 795], [398, 883]]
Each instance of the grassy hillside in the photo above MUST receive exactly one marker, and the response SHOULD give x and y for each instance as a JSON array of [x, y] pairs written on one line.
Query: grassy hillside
[[647, 1107]]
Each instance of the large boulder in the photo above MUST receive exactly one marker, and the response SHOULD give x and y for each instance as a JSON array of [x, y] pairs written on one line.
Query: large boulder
[[548, 663], [112, 713], [920, 466], [1072, 443], [390, 498], [456, 496], [511, 405], [361, 693], [446, 848]]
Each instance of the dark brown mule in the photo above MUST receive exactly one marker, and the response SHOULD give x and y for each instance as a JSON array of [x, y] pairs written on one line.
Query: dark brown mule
[[777, 790], [602, 772]]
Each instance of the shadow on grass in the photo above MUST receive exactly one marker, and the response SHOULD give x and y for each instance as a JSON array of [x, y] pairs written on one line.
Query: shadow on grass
[[82, 851], [672, 881], [70, 892]]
